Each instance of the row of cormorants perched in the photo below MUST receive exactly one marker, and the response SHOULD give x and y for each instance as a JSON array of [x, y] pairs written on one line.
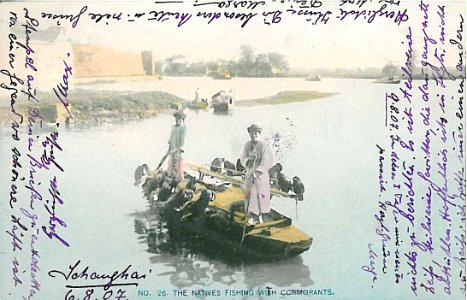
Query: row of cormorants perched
[[278, 179], [167, 183]]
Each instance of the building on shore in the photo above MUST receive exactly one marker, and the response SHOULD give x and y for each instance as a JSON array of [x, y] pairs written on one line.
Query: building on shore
[[50, 50], [101, 61], [50, 53]]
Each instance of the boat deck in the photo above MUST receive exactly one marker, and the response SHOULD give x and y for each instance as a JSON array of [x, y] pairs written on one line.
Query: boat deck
[[277, 227]]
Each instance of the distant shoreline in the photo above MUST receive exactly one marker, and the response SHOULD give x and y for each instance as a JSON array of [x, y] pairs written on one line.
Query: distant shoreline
[[95, 107]]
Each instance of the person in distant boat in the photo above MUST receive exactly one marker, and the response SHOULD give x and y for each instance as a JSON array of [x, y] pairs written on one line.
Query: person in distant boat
[[196, 100], [257, 158], [176, 143]]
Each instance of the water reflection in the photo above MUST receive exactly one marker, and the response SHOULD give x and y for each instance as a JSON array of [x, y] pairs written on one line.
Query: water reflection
[[194, 262], [222, 113], [191, 270], [187, 270]]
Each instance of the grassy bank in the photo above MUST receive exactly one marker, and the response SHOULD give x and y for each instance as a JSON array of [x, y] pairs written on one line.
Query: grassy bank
[[285, 97], [98, 106], [121, 106]]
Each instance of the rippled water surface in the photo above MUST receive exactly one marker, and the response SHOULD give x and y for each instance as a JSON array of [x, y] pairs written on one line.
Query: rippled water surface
[[329, 143]]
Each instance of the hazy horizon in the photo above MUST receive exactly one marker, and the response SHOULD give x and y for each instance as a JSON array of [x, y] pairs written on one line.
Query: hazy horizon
[[304, 46]]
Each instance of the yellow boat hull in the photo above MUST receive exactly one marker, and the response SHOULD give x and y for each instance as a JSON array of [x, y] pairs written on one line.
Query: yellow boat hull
[[224, 223]]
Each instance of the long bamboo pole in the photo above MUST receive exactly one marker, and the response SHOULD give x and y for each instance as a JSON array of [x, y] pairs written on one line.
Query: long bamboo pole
[[232, 180]]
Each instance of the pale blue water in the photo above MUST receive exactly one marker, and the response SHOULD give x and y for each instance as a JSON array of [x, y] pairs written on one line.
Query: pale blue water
[[330, 143]]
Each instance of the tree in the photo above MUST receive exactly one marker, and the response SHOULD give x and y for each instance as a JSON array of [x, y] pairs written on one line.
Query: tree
[[262, 67], [246, 61], [197, 68], [212, 66], [389, 70], [173, 67], [232, 67], [247, 54], [278, 62]]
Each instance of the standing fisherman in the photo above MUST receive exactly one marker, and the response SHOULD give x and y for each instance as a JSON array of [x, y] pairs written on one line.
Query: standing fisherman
[[257, 157], [176, 143], [196, 96]]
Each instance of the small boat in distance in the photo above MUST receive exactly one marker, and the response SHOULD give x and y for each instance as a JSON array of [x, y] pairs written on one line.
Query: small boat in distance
[[223, 101], [223, 75], [313, 77], [203, 104], [388, 80]]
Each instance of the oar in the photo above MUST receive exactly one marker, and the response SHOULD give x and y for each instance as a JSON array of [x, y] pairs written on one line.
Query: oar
[[233, 180], [244, 232], [162, 161]]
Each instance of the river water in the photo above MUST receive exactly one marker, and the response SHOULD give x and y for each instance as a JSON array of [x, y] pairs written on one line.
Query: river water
[[330, 143]]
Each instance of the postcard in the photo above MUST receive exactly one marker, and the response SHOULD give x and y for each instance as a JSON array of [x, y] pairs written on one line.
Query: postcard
[[232, 149]]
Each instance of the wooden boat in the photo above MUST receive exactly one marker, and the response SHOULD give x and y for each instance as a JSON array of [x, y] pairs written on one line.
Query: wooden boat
[[222, 101], [312, 77], [193, 212], [221, 75], [388, 80], [198, 105]]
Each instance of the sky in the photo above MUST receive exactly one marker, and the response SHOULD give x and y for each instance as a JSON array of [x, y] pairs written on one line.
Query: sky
[[349, 44]]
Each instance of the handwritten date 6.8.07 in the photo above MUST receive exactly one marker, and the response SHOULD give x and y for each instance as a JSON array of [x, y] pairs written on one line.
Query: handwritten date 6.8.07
[[392, 112]]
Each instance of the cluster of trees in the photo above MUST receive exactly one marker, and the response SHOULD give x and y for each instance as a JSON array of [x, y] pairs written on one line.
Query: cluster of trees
[[272, 64], [248, 64]]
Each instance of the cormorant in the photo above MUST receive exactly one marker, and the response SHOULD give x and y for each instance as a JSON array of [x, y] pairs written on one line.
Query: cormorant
[[216, 164], [298, 187], [140, 172], [284, 184]]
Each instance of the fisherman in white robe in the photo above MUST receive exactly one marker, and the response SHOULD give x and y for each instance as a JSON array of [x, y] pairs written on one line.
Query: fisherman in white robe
[[176, 143], [257, 158], [196, 100]]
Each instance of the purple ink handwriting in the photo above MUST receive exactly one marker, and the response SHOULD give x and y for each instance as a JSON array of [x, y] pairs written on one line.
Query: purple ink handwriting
[[370, 268], [420, 175], [61, 90], [86, 278], [314, 12], [51, 206], [398, 16], [35, 155]]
